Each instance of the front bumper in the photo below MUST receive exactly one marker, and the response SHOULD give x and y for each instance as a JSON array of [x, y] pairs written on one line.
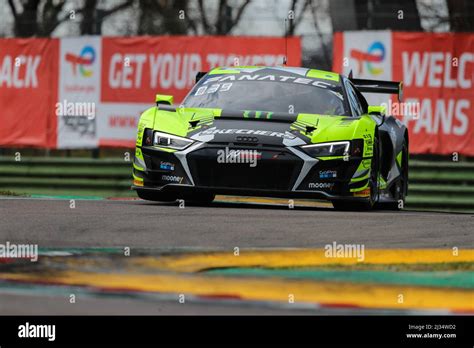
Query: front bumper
[[279, 172]]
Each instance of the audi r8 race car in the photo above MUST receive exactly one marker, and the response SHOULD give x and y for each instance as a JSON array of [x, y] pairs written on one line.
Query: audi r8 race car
[[274, 132]]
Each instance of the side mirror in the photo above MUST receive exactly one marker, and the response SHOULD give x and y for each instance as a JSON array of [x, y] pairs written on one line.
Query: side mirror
[[199, 75], [164, 99], [377, 110]]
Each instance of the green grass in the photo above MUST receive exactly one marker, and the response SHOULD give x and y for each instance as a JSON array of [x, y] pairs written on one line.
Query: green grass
[[402, 267], [446, 279], [10, 193]]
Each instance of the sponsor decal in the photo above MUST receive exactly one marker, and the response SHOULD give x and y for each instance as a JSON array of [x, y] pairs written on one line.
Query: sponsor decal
[[172, 178], [166, 165], [80, 62], [214, 130], [276, 78], [321, 185], [79, 101], [375, 54], [327, 174], [369, 143]]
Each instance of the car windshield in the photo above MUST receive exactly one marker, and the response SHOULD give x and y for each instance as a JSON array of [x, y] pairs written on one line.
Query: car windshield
[[294, 96]]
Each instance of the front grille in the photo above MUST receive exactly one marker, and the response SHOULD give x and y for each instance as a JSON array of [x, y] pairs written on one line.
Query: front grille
[[270, 173]]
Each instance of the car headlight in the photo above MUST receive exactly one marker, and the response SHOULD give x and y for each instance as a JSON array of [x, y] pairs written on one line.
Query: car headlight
[[171, 141], [338, 148]]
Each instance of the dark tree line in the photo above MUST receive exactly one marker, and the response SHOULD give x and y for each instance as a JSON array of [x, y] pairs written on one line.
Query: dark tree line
[[461, 15], [181, 17], [154, 17], [400, 15]]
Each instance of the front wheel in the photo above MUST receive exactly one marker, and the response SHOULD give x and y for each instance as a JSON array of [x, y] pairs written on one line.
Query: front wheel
[[156, 196], [373, 186], [351, 205]]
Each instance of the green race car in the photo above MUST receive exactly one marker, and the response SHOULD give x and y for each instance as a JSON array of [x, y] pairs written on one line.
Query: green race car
[[275, 132]]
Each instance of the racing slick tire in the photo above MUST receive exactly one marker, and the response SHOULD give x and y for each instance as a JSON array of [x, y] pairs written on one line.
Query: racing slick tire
[[400, 189], [373, 184], [156, 196], [200, 198]]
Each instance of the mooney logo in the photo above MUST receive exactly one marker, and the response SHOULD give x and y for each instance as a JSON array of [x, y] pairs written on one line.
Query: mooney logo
[[86, 58], [375, 54]]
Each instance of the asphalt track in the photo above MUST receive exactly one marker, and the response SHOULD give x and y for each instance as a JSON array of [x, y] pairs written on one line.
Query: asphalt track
[[221, 226]]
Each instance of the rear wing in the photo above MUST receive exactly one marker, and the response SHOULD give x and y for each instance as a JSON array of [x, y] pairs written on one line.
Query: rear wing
[[378, 86]]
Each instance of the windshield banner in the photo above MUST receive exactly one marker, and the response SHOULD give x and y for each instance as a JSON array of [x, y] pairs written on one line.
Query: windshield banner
[[437, 71]]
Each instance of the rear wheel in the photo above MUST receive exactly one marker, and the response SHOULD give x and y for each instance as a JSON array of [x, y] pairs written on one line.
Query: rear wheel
[[373, 186]]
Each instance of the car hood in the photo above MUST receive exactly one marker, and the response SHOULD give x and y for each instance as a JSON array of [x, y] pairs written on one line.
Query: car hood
[[251, 127]]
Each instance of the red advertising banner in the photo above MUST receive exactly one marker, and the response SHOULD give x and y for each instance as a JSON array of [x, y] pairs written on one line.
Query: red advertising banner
[[119, 77], [89, 91], [135, 69], [437, 70], [28, 92], [438, 75]]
